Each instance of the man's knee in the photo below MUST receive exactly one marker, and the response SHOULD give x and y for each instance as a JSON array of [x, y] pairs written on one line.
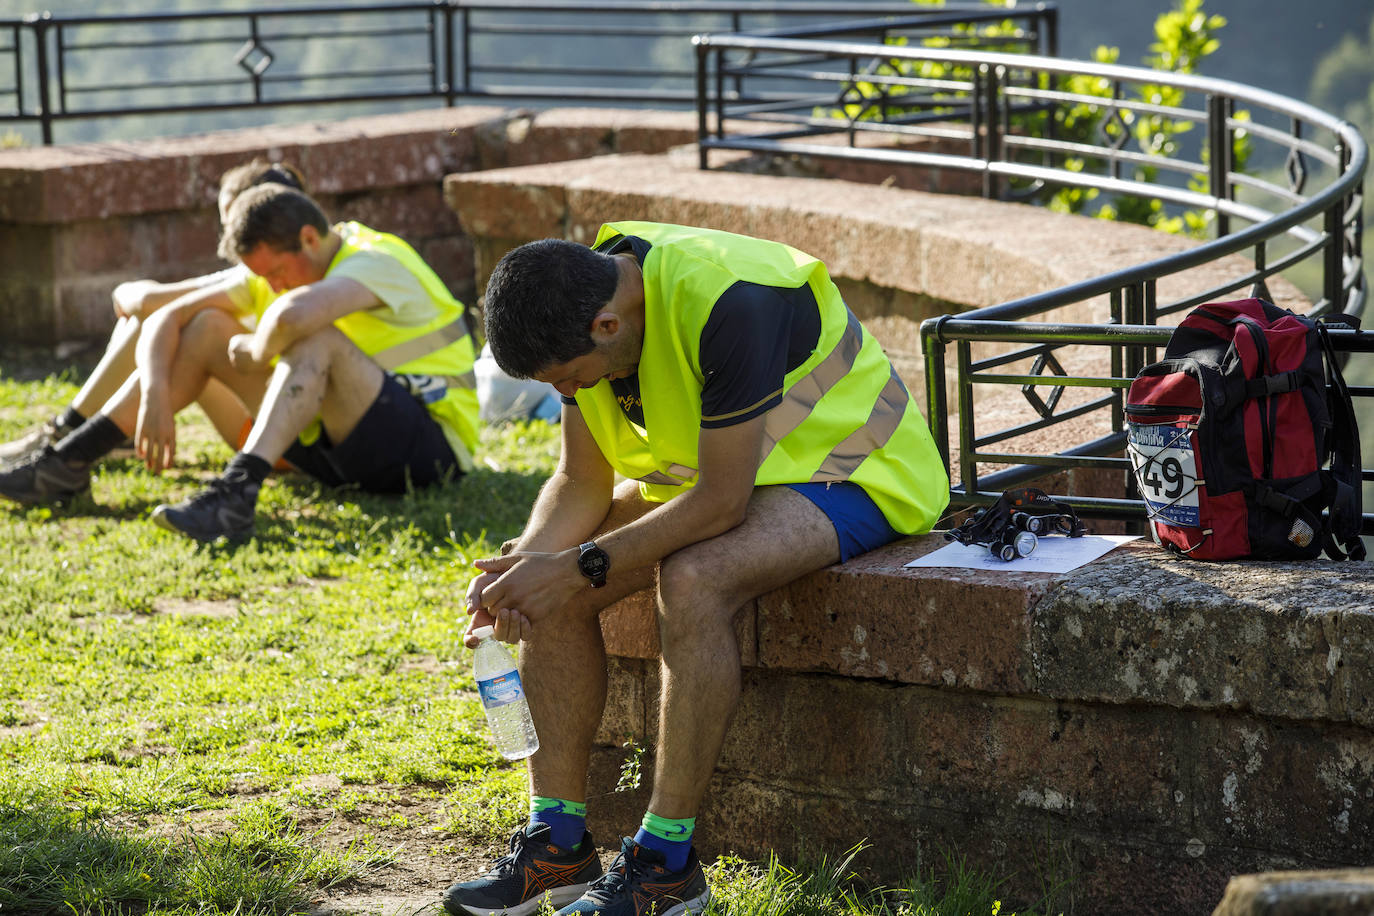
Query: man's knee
[[209, 327], [692, 605], [321, 345]]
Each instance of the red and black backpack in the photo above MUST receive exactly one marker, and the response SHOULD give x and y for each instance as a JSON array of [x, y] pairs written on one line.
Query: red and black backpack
[[1243, 438]]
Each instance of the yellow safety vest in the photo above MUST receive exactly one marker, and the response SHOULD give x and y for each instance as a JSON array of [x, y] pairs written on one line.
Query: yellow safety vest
[[845, 415], [441, 347]]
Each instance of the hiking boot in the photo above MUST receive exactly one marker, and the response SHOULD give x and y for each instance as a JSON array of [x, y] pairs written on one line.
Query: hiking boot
[[639, 884], [30, 444], [224, 509], [43, 478], [534, 870]]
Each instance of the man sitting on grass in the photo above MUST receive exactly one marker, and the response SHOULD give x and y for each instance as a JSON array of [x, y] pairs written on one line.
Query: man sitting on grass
[[134, 303], [360, 372], [764, 435]]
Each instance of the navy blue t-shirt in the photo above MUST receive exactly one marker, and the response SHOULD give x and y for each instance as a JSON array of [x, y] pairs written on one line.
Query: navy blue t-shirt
[[755, 335]]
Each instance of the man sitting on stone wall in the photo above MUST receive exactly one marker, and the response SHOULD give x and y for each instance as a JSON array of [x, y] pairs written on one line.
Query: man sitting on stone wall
[[359, 371], [763, 434]]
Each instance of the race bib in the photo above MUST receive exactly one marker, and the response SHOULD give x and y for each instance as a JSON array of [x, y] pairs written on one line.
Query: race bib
[[1166, 470]]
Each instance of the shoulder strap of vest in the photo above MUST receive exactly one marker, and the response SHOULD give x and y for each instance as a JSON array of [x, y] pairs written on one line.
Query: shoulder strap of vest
[[1347, 467]]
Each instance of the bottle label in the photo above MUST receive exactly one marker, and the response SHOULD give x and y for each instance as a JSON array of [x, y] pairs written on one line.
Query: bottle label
[[499, 690]]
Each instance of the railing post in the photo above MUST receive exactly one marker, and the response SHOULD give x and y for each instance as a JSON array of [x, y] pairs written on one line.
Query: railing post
[[39, 21], [968, 467], [1219, 152], [976, 120], [992, 134], [467, 51], [700, 43], [937, 404], [1333, 259], [448, 54], [18, 70]]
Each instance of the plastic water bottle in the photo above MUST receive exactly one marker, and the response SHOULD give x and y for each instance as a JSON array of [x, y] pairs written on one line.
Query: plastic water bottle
[[503, 697]]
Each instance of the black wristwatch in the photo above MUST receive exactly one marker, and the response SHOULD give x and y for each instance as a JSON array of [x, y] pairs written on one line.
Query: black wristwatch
[[593, 563]]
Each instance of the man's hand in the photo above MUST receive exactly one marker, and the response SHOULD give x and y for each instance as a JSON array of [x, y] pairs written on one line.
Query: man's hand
[[517, 590], [155, 436], [241, 354]]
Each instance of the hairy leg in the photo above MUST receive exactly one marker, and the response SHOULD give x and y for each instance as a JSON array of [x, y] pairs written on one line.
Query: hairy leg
[[701, 589], [564, 671], [322, 375]]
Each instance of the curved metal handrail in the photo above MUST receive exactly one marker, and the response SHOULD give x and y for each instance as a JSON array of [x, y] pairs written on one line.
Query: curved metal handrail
[[984, 98]]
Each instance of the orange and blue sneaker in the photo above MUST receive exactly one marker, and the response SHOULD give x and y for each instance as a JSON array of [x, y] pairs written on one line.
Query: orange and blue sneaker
[[535, 870], [639, 884]]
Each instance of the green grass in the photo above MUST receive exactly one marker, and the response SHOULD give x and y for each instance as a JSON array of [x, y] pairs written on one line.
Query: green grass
[[148, 680], [177, 721]]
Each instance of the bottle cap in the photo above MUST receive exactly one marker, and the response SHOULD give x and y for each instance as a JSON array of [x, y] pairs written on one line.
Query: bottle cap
[[483, 632]]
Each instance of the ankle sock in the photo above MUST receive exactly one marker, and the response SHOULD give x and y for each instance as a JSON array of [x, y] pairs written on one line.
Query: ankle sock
[[244, 466], [567, 820], [95, 439], [70, 420], [670, 836]]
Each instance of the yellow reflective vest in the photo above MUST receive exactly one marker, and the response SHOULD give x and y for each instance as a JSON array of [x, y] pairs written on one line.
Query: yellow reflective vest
[[441, 347], [845, 415]]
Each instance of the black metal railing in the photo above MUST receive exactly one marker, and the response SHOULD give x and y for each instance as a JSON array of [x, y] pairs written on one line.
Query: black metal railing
[[635, 52], [1011, 118]]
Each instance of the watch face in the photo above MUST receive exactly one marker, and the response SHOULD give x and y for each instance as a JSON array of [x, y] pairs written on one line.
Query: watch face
[[593, 562]]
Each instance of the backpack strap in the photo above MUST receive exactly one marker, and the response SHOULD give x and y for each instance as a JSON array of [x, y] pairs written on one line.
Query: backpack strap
[[1347, 467]]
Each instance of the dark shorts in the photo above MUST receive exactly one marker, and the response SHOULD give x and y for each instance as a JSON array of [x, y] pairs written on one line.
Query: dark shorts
[[396, 443], [858, 521]]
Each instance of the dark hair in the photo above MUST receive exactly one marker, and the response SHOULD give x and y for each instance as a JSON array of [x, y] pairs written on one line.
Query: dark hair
[[259, 171], [271, 215], [540, 302]]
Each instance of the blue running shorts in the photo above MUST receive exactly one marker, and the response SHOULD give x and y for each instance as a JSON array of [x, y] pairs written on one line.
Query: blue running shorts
[[858, 521]]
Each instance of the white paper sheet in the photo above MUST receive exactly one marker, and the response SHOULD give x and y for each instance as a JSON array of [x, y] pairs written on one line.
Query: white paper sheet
[[1055, 553]]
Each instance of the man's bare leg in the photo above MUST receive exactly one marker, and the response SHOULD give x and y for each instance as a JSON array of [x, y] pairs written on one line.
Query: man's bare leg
[[202, 356], [564, 670], [323, 375], [116, 365], [118, 362], [701, 588]]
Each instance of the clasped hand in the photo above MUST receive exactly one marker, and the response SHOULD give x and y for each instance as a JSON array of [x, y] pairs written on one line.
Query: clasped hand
[[241, 354], [514, 592]]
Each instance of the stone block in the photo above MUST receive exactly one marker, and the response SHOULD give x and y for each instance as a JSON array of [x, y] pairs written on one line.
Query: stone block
[[26, 310], [413, 212], [631, 702], [873, 617], [1302, 787], [1351, 658], [1348, 892], [525, 212], [1263, 637], [453, 259], [27, 253]]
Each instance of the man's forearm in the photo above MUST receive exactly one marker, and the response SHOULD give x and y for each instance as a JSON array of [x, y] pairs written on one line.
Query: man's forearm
[[696, 515], [566, 513]]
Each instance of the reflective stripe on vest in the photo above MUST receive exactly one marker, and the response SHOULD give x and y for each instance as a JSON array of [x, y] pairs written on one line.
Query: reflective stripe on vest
[[803, 397], [845, 458], [393, 357]]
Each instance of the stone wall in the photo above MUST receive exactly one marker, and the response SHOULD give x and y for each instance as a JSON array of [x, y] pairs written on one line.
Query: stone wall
[[76, 220], [1141, 729]]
